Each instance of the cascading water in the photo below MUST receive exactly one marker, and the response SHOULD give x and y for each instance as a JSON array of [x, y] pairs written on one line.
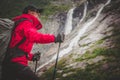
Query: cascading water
[[81, 31], [68, 25], [85, 12]]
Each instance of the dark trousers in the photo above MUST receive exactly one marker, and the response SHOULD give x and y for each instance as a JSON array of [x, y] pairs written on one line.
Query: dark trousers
[[15, 71]]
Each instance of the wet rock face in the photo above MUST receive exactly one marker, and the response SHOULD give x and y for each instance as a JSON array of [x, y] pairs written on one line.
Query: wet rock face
[[78, 11], [106, 27], [95, 2], [62, 19], [113, 8], [104, 30]]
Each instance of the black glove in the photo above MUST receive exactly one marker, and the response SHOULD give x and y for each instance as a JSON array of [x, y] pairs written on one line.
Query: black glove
[[36, 56], [59, 38]]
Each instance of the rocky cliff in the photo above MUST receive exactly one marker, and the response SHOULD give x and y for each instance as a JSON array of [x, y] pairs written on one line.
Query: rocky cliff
[[91, 47]]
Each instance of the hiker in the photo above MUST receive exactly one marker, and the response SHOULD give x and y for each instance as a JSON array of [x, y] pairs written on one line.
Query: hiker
[[15, 64]]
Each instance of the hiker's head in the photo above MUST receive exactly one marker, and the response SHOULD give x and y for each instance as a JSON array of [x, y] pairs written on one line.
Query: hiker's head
[[33, 10]]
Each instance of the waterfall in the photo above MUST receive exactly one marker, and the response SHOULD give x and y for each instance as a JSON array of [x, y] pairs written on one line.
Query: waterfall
[[68, 25], [81, 31], [75, 40], [85, 12]]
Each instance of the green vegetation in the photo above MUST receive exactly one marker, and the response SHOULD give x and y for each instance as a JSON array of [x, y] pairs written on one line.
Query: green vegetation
[[49, 74], [99, 42], [98, 52], [90, 55], [52, 9], [106, 69], [96, 72], [83, 45], [11, 8]]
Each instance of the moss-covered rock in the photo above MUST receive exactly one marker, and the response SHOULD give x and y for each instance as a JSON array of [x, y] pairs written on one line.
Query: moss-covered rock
[[106, 68]]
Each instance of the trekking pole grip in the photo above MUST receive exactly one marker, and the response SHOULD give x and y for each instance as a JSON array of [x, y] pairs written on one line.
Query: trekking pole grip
[[36, 61]]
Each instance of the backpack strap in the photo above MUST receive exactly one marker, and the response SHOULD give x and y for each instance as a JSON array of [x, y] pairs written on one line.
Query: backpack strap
[[15, 49], [15, 25], [19, 21]]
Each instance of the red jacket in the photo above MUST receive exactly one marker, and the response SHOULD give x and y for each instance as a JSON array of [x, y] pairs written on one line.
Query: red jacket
[[28, 29]]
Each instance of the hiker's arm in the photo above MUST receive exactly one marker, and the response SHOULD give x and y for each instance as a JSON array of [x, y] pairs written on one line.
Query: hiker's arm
[[32, 35]]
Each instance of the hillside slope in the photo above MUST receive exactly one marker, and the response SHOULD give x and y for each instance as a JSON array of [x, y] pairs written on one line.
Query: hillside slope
[[96, 55]]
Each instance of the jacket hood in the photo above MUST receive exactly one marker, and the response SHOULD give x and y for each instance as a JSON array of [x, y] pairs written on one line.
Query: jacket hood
[[36, 23]]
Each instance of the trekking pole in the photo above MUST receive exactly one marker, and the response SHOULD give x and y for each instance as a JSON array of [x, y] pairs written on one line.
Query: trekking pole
[[36, 65], [55, 68]]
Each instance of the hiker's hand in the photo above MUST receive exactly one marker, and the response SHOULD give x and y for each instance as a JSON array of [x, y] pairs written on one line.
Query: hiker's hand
[[36, 56], [59, 38]]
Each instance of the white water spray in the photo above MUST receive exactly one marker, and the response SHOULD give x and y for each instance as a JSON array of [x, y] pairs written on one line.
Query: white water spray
[[68, 25], [85, 12], [75, 40]]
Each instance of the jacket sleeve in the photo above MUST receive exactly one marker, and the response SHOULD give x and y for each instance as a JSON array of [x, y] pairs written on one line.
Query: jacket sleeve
[[32, 35]]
